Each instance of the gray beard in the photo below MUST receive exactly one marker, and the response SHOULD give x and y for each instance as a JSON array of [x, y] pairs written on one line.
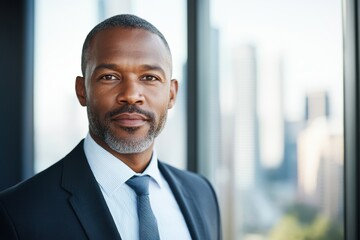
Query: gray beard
[[129, 145]]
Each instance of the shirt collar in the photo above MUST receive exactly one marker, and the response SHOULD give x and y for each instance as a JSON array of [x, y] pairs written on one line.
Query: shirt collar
[[110, 172]]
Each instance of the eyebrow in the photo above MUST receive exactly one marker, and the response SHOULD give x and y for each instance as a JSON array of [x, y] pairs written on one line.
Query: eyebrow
[[106, 65], [152, 67]]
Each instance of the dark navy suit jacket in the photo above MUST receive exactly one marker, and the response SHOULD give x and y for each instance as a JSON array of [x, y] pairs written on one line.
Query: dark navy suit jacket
[[65, 202]]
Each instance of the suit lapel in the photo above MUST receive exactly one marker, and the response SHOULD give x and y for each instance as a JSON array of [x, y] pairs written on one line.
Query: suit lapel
[[86, 198], [186, 203]]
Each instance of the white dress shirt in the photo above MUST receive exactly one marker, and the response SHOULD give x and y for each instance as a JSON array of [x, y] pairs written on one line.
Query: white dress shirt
[[111, 175]]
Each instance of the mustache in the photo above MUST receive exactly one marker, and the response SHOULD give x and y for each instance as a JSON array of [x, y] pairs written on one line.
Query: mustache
[[130, 109]]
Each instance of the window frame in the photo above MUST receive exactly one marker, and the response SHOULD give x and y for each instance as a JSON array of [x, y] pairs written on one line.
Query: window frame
[[351, 116]]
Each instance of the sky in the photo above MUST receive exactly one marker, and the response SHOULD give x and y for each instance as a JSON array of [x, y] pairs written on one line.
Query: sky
[[306, 34]]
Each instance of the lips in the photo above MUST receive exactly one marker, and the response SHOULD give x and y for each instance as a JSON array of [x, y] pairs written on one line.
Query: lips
[[130, 119]]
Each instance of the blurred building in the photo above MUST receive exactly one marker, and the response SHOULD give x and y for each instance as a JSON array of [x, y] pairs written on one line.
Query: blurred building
[[245, 114], [320, 158], [245, 132]]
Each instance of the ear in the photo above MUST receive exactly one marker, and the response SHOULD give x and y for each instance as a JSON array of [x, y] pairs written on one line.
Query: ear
[[174, 86], [80, 90]]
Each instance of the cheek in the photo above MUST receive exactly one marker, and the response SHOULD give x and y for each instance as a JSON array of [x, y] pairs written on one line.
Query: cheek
[[162, 107], [100, 102]]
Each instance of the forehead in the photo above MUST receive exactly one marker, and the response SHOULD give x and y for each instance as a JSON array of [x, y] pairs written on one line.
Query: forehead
[[128, 46]]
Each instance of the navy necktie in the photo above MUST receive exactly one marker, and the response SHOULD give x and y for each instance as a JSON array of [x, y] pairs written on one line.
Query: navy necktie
[[147, 222]]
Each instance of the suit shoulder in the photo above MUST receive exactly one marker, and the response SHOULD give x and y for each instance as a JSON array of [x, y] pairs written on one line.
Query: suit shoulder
[[40, 182], [47, 181], [189, 179], [181, 172]]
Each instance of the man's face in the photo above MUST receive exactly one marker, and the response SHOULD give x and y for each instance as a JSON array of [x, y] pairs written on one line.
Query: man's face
[[127, 88]]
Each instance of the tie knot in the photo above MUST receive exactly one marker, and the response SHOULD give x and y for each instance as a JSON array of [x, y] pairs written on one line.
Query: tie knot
[[140, 184]]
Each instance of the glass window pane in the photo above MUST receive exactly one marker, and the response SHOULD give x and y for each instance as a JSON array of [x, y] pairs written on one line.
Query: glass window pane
[[280, 173], [60, 29]]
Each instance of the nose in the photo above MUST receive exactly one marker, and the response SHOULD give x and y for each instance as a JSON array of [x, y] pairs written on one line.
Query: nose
[[130, 92]]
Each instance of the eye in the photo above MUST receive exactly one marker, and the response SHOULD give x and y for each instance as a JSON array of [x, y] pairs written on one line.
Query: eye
[[149, 78], [109, 77]]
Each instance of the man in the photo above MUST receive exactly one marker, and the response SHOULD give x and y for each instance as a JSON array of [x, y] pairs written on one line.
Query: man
[[91, 194]]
